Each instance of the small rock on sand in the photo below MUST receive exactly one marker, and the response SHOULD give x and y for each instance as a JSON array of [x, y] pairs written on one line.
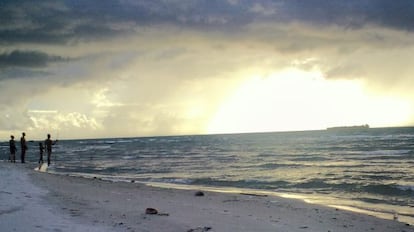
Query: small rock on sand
[[199, 194], [200, 229], [151, 211]]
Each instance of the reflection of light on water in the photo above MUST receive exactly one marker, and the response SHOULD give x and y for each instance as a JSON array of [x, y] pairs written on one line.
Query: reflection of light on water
[[391, 215], [363, 211], [328, 201], [296, 196]]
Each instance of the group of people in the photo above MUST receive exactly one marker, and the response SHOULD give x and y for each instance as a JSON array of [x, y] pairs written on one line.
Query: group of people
[[23, 146]]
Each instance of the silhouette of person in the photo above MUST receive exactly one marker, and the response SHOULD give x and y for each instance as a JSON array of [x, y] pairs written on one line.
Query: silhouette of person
[[48, 144], [23, 146], [41, 149], [13, 149]]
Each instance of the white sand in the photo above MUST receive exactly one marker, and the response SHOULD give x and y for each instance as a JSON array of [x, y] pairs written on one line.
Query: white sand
[[76, 204], [24, 206]]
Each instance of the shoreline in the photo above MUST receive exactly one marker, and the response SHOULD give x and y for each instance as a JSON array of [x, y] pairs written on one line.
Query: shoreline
[[387, 215], [120, 206], [330, 202]]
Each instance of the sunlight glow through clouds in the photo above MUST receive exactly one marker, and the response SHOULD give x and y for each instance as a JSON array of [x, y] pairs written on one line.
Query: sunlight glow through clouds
[[297, 100], [154, 68]]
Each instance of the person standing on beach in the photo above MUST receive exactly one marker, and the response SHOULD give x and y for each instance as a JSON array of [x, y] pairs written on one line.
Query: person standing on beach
[[23, 146], [48, 144], [13, 149], [41, 149]]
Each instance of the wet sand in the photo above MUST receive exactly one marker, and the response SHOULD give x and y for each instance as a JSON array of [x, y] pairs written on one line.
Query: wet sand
[[64, 203]]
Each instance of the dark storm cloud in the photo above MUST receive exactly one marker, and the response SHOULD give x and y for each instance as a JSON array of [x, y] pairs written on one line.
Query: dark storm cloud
[[29, 59], [68, 21], [26, 64], [397, 14], [48, 22], [15, 73]]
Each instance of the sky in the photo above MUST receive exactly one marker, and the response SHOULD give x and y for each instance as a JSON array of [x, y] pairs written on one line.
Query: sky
[[126, 68]]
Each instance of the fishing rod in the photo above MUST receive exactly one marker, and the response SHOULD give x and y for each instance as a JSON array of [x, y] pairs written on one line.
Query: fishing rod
[[57, 139]]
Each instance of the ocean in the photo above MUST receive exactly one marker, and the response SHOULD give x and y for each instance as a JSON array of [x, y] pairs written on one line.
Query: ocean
[[369, 171]]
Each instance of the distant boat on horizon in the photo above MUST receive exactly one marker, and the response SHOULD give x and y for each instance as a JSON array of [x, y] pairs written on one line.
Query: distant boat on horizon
[[349, 128]]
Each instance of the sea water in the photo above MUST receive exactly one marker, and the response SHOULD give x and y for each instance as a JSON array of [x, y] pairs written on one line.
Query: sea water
[[371, 171]]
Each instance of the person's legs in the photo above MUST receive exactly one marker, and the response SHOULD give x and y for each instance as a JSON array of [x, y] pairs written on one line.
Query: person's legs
[[49, 153]]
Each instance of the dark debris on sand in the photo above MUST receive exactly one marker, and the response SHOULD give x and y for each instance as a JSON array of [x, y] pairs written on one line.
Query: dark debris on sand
[[200, 229]]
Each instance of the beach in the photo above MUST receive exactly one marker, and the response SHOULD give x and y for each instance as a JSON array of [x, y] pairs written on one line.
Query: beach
[[36, 201]]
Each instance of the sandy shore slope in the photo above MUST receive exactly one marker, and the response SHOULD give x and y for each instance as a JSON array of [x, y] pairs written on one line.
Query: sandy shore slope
[[63, 203], [24, 206]]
